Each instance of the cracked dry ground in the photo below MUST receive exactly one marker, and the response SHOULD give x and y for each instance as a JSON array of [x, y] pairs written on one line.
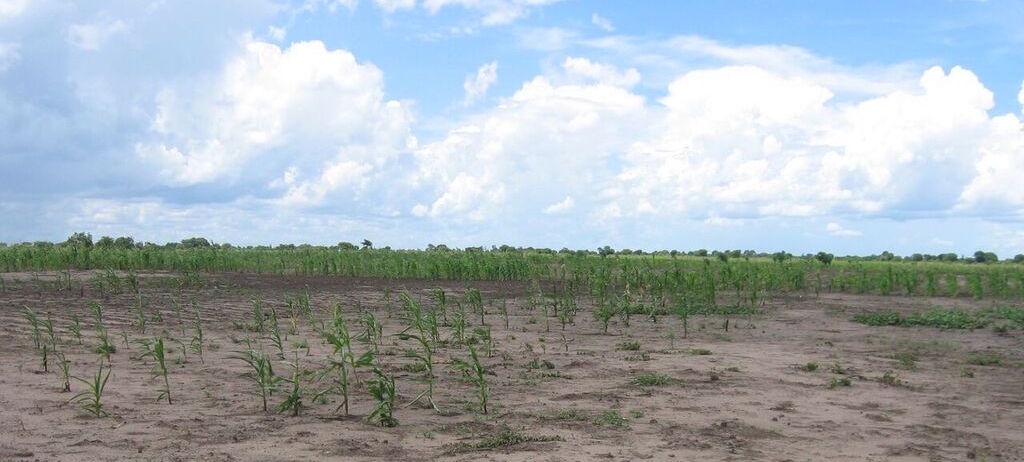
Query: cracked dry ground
[[556, 395]]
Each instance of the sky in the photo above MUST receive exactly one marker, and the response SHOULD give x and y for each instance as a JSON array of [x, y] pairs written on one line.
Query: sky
[[850, 127]]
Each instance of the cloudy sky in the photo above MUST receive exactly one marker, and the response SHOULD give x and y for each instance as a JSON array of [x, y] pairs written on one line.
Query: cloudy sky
[[855, 127]]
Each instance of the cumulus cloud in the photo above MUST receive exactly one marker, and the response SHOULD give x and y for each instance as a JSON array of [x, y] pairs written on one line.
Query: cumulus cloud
[[585, 69], [476, 86], [91, 36], [836, 229], [12, 8], [324, 109]]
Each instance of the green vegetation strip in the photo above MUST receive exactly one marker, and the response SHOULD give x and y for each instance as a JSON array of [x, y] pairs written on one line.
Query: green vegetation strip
[[946, 318]]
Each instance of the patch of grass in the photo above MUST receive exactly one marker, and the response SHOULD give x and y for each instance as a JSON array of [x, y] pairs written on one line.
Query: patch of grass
[[643, 356], [838, 369], [628, 346], [907, 359], [650, 379], [505, 438], [985, 359], [612, 418], [966, 373], [700, 352], [1003, 318], [810, 367], [839, 382], [891, 379]]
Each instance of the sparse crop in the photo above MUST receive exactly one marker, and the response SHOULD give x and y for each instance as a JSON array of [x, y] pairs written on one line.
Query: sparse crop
[[91, 399], [476, 374]]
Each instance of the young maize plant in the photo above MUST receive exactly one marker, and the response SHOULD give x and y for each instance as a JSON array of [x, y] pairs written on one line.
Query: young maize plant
[[476, 373], [604, 313], [382, 389], [257, 316], [441, 303], [36, 334], [275, 333], [154, 348], [197, 336], [344, 363], [426, 358], [476, 303], [140, 314], [262, 373], [65, 371], [293, 402], [504, 312], [373, 330], [483, 334], [76, 328], [458, 325], [91, 398], [51, 333]]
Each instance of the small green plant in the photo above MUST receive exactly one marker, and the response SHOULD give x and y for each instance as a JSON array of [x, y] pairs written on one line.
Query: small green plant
[[76, 328], [197, 337], [507, 437], [966, 373], [604, 313], [476, 374], [906, 359], [612, 418], [91, 398], [426, 357], [700, 352], [891, 379], [985, 359], [262, 373], [36, 333], [382, 389], [258, 316], [293, 402], [838, 369], [140, 314], [154, 349], [65, 371], [810, 367], [839, 382], [650, 379]]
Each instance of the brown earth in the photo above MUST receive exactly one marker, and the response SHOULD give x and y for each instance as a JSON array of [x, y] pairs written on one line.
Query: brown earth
[[748, 399]]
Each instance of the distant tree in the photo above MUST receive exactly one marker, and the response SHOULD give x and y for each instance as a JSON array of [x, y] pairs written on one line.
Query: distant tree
[[917, 257], [105, 242], [79, 240], [722, 256], [701, 253], [367, 244], [887, 256], [780, 257], [824, 257], [194, 242], [1019, 258], [346, 246], [985, 257], [674, 253], [124, 242], [605, 251]]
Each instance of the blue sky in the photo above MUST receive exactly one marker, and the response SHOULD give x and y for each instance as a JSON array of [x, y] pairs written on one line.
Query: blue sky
[[849, 127]]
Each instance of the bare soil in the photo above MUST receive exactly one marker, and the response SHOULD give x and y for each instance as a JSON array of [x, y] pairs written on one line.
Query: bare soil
[[749, 399]]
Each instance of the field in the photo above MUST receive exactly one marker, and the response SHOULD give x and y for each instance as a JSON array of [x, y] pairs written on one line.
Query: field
[[581, 359]]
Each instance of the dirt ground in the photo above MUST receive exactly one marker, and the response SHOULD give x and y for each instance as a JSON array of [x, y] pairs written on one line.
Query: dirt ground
[[748, 397]]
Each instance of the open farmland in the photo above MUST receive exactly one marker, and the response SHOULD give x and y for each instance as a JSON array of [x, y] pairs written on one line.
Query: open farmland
[[505, 356]]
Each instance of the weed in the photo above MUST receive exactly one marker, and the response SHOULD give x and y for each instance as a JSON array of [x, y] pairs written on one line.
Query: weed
[[507, 437], [985, 359], [839, 382], [810, 367], [612, 418], [650, 379], [700, 352], [891, 379], [907, 359]]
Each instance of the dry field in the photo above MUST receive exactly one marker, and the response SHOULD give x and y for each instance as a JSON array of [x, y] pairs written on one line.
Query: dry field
[[798, 381]]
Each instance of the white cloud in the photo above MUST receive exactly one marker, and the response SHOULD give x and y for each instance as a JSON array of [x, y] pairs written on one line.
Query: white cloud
[[12, 8], [276, 34], [836, 229], [476, 86], [495, 12], [391, 6], [602, 22], [561, 206], [323, 108], [92, 36], [602, 73], [329, 5]]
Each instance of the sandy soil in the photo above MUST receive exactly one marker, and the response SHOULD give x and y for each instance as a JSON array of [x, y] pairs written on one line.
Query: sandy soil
[[748, 399]]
